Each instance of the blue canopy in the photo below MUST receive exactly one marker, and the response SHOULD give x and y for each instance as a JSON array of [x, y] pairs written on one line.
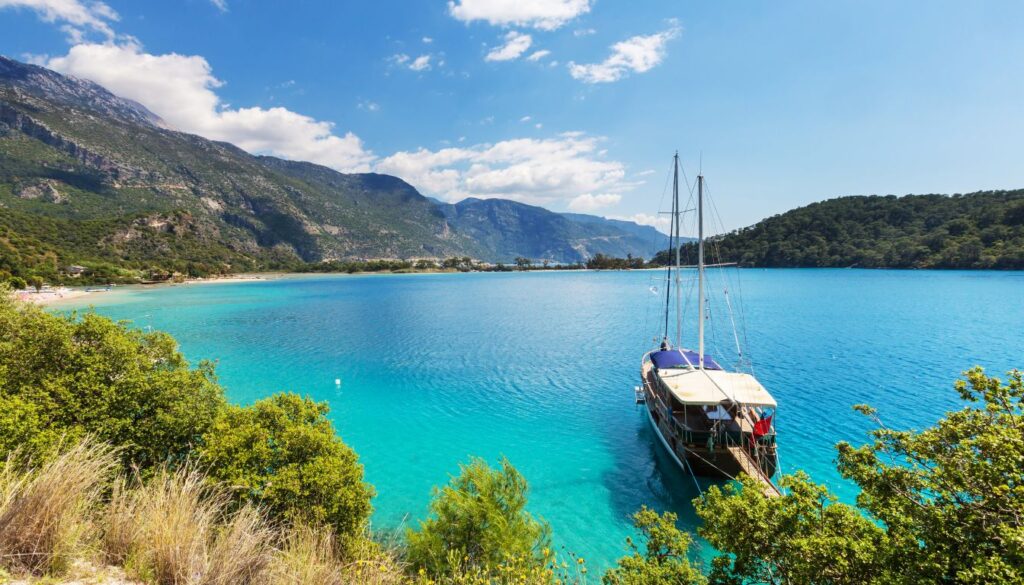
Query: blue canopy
[[673, 358]]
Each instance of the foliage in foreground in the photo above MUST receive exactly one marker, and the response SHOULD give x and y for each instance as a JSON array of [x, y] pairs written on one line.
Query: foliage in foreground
[[283, 453], [664, 559], [479, 520], [68, 376], [944, 505], [65, 377]]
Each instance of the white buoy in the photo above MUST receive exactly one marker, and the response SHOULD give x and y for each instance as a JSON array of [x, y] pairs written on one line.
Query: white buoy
[[337, 381]]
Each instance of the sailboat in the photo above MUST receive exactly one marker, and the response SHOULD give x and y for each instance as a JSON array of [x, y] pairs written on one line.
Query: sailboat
[[714, 422]]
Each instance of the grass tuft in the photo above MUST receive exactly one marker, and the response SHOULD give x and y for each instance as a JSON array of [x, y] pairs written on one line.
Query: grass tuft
[[45, 511]]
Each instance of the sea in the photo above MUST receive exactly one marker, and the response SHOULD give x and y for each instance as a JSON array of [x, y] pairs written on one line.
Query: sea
[[424, 371]]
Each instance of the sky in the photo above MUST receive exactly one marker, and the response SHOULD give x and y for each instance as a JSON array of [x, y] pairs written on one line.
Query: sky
[[575, 105]]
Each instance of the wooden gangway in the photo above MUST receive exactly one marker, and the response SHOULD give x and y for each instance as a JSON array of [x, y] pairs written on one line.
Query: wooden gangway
[[751, 468]]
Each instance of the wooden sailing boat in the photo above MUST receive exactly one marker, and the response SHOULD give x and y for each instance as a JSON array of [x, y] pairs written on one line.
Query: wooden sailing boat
[[714, 422]]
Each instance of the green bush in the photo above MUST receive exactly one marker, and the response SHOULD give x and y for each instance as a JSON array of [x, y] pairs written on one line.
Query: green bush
[[75, 375], [664, 559], [478, 522], [942, 505], [282, 453]]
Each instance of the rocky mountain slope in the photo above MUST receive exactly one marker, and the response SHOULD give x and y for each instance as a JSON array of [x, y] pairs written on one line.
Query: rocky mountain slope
[[88, 177]]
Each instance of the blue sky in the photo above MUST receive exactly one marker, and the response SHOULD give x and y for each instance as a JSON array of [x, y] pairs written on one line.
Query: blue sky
[[789, 102]]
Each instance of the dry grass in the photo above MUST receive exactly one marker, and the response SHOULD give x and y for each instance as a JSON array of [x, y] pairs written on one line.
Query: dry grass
[[313, 556], [173, 529], [177, 530], [44, 511]]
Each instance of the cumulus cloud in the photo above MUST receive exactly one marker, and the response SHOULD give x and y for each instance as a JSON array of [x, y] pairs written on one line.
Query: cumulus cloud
[[221, 5], [180, 89], [74, 16], [539, 14], [636, 54], [516, 44], [553, 171], [538, 55], [587, 203]]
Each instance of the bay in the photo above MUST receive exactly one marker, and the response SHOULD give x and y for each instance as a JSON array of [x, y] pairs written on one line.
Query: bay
[[539, 367]]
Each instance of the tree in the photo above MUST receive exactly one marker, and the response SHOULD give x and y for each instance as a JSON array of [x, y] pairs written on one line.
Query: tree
[[72, 375], [953, 503], [35, 281], [18, 283], [480, 517], [664, 559], [283, 453], [803, 536], [523, 263], [943, 505]]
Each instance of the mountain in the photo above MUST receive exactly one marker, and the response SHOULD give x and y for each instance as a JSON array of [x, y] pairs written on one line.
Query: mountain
[[510, 229], [976, 230], [90, 178]]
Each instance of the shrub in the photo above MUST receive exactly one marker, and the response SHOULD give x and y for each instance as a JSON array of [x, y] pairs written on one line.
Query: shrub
[[664, 559], [480, 517], [73, 376], [282, 453]]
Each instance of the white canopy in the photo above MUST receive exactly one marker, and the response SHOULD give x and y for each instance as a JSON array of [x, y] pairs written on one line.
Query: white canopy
[[695, 386]]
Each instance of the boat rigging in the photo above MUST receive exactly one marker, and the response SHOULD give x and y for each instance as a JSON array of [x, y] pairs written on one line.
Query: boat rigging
[[714, 422]]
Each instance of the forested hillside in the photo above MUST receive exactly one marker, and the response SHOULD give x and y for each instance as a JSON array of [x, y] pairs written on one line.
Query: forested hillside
[[93, 180], [975, 230]]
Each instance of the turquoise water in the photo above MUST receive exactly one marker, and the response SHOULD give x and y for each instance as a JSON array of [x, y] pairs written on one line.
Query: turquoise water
[[540, 367]]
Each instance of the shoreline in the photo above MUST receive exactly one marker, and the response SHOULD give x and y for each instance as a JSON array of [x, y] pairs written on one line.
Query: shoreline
[[64, 294]]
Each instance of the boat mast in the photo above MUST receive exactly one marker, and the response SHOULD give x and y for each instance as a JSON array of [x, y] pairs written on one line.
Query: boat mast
[[700, 266], [673, 235], [675, 219]]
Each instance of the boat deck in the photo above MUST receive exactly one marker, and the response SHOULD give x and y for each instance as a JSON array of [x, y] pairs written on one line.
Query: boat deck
[[686, 437]]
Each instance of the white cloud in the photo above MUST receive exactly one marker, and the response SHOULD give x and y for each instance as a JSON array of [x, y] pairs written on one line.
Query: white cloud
[[538, 125], [540, 14], [180, 89], [421, 63], [516, 44], [427, 40], [583, 32], [73, 14], [221, 5], [637, 54], [552, 171], [587, 203], [538, 55], [368, 106], [35, 59], [525, 119]]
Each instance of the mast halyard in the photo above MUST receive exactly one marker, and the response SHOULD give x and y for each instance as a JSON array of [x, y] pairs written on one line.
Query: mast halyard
[[700, 267]]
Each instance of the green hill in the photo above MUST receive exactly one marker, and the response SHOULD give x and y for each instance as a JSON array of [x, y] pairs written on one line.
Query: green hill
[[976, 230], [88, 178]]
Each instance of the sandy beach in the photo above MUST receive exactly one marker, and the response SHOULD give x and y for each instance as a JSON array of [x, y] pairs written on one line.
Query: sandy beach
[[49, 296]]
